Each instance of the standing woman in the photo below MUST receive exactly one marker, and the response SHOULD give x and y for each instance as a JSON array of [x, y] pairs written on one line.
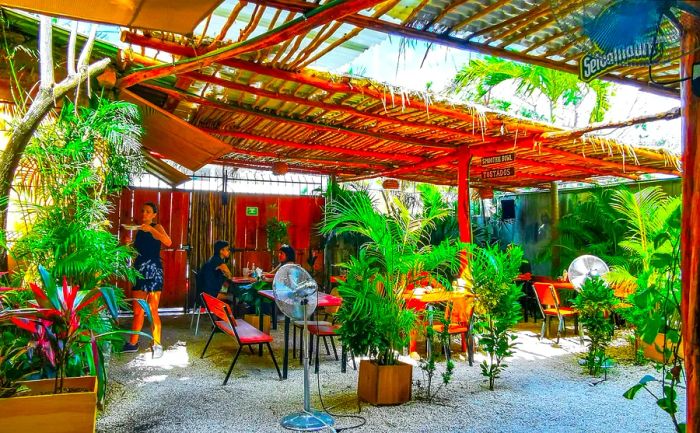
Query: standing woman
[[149, 238]]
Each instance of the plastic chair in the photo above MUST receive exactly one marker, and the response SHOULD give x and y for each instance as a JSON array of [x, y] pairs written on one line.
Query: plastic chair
[[243, 332], [550, 306]]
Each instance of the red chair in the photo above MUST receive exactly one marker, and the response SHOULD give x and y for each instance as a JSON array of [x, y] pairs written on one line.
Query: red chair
[[243, 332], [548, 301]]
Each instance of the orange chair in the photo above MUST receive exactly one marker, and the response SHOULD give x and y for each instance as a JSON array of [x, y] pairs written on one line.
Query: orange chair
[[460, 314], [243, 332], [548, 301]]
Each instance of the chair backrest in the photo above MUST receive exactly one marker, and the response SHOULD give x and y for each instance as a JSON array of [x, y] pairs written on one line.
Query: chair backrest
[[546, 294], [218, 309], [460, 310]]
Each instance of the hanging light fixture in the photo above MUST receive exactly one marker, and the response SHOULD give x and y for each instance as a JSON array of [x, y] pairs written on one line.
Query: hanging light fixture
[[390, 184], [280, 168]]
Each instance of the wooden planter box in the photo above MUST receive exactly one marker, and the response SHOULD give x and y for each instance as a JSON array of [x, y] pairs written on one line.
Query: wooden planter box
[[254, 320], [384, 384], [40, 411]]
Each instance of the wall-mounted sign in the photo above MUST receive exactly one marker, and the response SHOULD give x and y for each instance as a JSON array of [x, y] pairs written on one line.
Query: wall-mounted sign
[[498, 159], [499, 172], [597, 63], [251, 211]]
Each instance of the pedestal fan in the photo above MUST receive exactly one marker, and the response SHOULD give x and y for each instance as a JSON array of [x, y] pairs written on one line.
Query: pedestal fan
[[295, 294], [584, 267]]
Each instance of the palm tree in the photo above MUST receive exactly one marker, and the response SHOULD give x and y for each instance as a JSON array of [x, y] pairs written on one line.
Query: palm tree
[[480, 76]]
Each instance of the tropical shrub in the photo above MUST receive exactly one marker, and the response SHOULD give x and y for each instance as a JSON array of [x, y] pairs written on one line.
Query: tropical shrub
[[68, 173], [395, 255], [594, 303], [277, 233], [429, 366], [60, 332], [657, 305], [497, 303]]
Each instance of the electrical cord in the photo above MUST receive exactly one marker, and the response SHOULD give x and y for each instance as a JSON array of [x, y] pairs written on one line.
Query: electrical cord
[[653, 52], [362, 419]]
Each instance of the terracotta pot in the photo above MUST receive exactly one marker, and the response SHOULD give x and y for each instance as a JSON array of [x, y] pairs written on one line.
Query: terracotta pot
[[654, 352], [384, 384], [72, 411]]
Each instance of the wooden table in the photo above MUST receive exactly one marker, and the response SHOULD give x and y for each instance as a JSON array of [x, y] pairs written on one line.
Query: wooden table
[[324, 300]]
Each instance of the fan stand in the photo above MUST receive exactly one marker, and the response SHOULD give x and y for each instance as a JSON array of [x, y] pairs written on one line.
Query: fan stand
[[308, 419]]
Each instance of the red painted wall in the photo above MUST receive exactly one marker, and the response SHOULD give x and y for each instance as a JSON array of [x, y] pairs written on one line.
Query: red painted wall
[[303, 213], [173, 215]]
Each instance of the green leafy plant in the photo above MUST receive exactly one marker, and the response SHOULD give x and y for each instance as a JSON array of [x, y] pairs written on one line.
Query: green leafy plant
[[277, 233], [594, 303], [493, 273], [249, 294], [373, 318], [560, 89], [657, 303], [591, 226], [68, 173], [13, 368], [59, 332], [429, 365]]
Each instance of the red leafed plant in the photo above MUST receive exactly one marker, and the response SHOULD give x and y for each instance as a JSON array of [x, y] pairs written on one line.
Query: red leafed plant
[[59, 335]]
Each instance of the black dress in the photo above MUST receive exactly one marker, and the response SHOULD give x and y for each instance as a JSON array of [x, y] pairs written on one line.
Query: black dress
[[148, 262]]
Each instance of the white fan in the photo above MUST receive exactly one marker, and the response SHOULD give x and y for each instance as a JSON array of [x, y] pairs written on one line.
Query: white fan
[[295, 294], [584, 267]]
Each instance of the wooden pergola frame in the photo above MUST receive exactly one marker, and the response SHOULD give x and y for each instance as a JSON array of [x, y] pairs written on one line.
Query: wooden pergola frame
[[360, 122]]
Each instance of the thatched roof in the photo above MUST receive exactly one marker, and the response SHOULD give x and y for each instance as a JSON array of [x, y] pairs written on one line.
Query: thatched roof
[[264, 110], [539, 32], [357, 128]]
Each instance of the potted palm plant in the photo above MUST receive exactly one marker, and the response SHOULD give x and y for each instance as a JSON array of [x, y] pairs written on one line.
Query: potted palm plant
[[57, 321], [373, 318]]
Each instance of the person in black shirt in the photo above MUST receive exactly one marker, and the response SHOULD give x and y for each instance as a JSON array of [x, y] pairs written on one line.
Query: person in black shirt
[[214, 273], [149, 238]]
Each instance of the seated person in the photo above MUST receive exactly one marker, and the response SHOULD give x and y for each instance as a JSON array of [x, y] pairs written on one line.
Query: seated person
[[285, 255], [214, 273]]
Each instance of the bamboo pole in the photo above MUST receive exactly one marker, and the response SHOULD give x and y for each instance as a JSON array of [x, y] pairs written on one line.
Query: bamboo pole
[[554, 209], [690, 230], [575, 133]]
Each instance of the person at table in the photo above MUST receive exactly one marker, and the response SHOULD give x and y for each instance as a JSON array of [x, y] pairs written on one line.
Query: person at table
[[285, 255], [215, 272], [149, 238]]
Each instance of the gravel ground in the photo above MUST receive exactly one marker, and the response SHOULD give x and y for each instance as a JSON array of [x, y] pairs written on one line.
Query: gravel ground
[[543, 389]]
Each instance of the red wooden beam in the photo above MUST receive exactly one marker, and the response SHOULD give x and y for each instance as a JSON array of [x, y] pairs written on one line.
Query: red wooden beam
[[486, 151], [690, 229], [320, 147], [425, 144], [610, 164], [451, 132], [322, 162], [319, 82], [330, 11], [411, 168]]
